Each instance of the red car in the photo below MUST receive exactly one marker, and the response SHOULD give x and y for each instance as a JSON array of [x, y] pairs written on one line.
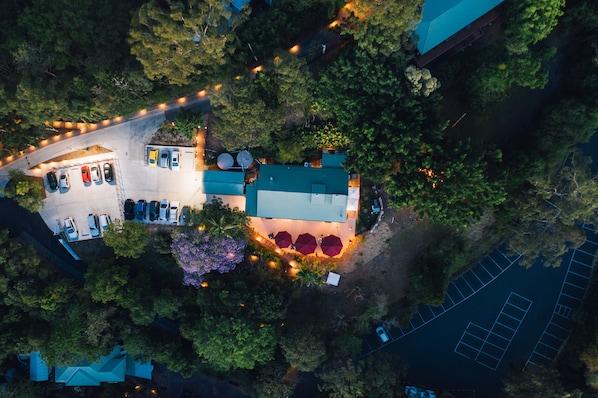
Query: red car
[[85, 175]]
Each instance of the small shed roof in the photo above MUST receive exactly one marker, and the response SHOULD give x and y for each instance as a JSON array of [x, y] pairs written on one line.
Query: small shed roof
[[217, 182], [441, 19], [333, 279]]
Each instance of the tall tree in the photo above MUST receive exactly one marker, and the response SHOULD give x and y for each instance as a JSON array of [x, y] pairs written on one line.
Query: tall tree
[[198, 253], [530, 21], [127, 239], [377, 26], [242, 116], [230, 343], [26, 191], [176, 40], [449, 182]]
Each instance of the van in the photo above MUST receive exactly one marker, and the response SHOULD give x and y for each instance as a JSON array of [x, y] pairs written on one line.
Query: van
[[164, 159]]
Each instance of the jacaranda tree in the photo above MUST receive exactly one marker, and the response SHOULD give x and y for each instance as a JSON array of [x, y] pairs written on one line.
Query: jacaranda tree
[[199, 253]]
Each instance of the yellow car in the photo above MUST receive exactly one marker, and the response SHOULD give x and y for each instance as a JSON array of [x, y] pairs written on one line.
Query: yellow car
[[153, 158]]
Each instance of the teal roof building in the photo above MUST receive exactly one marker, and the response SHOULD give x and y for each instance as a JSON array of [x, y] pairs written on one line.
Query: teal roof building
[[442, 19], [111, 368], [299, 193]]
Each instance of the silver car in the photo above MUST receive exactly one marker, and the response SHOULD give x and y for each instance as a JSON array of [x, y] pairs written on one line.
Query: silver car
[[94, 225]]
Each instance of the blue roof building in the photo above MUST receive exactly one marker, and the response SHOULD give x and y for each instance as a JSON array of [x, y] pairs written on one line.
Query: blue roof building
[[111, 368], [217, 182], [442, 19]]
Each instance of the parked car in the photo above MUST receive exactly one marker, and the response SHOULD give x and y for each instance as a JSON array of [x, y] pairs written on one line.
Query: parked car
[[140, 210], [52, 180], [96, 175], [163, 215], [108, 172], [153, 210], [104, 222], [382, 335], [129, 209], [152, 158], [85, 175], [175, 160], [70, 229], [94, 225], [164, 159], [64, 180], [376, 206], [173, 212], [185, 212]]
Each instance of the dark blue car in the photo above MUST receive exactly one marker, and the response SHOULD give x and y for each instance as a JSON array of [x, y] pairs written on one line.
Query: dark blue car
[[140, 208]]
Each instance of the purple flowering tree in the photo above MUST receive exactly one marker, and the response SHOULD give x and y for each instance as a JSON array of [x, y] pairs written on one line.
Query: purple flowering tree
[[199, 253]]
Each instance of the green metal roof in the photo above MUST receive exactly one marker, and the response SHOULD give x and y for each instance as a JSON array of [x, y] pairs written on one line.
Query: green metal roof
[[223, 182], [441, 19], [298, 193]]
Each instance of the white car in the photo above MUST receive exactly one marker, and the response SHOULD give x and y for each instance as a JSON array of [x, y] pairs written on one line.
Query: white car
[[104, 222], [96, 174], [175, 160], [163, 213], [174, 212], [382, 334], [94, 225], [64, 181], [70, 229]]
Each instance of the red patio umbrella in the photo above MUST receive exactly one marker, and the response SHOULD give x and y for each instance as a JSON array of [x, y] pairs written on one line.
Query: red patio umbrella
[[331, 245], [306, 244], [283, 239]]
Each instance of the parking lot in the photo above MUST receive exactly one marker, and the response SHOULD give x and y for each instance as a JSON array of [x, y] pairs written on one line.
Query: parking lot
[[133, 179]]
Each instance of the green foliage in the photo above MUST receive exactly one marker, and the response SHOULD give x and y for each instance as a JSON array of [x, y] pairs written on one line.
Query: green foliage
[[434, 269], [494, 72], [304, 347], [241, 117], [221, 221], [26, 191], [181, 40], [536, 381], [228, 343], [376, 309], [324, 136], [378, 26], [106, 281], [311, 273], [187, 122], [375, 376], [450, 183], [127, 239], [269, 382], [552, 210], [530, 21]]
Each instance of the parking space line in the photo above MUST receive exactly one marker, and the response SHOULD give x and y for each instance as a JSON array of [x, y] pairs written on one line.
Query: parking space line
[[472, 289], [580, 263], [478, 278]]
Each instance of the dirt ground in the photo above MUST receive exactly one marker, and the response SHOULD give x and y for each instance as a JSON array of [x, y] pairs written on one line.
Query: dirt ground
[[377, 262]]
